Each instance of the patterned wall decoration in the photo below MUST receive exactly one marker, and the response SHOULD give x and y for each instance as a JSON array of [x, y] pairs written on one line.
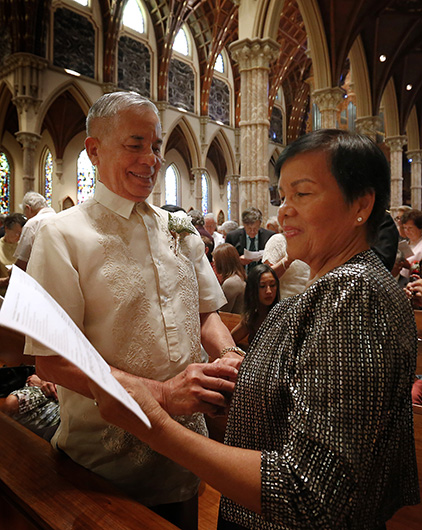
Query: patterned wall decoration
[[276, 126], [74, 42], [181, 85], [219, 103], [134, 71]]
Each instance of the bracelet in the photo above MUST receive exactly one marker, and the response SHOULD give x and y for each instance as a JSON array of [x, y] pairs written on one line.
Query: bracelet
[[236, 349]]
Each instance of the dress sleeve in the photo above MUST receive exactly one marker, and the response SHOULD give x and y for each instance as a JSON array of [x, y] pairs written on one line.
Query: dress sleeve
[[351, 368], [275, 249]]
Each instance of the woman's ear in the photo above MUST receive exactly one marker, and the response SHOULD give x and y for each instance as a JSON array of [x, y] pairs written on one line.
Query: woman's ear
[[364, 206]]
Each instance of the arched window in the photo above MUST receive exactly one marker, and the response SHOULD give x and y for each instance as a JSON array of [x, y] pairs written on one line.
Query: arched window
[[133, 17], [205, 185], [86, 177], [229, 200], [181, 43], [219, 64], [4, 183], [48, 176], [171, 184], [82, 2]]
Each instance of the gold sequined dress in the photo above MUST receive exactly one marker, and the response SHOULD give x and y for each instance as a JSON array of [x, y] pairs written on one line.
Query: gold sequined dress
[[324, 394]]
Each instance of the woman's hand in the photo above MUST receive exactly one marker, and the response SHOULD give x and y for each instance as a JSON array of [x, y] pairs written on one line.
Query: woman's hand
[[118, 414], [413, 291]]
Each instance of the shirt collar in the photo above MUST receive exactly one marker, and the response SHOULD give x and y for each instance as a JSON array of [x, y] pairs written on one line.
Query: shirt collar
[[115, 203]]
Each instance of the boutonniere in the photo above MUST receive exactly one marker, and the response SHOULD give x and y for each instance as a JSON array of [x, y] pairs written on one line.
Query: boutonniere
[[180, 225]]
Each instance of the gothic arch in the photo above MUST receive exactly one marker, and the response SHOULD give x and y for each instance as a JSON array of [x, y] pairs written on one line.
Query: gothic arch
[[412, 131], [362, 85], [191, 141], [226, 147], [391, 111], [5, 101]]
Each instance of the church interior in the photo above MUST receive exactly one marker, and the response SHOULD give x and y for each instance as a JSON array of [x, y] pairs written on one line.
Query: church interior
[[235, 82]]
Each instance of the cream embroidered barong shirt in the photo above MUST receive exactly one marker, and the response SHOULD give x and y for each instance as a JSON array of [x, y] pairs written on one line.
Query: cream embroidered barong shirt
[[113, 265]]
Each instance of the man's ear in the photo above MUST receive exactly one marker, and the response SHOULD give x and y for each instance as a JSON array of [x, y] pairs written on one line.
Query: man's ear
[[91, 146]]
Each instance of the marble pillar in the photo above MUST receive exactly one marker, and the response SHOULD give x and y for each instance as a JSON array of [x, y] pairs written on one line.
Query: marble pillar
[[197, 174], [254, 57], [396, 143], [234, 197], [29, 142], [415, 177], [328, 100]]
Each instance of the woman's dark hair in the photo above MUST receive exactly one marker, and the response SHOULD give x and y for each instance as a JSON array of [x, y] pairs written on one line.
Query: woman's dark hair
[[227, 262], [412, 215], [13, 219], [356, 163], [251, 301]]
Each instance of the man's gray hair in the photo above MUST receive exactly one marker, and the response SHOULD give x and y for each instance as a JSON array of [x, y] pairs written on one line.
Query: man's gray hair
[[251, 215], [197, 217], [210, 216], [228, 226], [34, 200], [110, 104]]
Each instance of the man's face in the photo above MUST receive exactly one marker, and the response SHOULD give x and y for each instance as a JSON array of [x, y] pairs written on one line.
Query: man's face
[[125, 148], [210, 225], [251, 229]]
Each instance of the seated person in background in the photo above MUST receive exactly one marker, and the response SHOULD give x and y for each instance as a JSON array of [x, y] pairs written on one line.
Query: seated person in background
[[272, 224], [231, 275], [36, 210], [228, 226], [35, 406], [210, 223], [12, 231], [251, 237], [293, 275], [209, 246], [412, 226], [261, 294]]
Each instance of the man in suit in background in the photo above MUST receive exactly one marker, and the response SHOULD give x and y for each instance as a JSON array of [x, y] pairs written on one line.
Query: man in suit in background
[[251, 237]]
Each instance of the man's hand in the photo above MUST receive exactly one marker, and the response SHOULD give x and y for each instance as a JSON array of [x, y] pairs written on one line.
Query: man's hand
[[201, 388], [245, 261]]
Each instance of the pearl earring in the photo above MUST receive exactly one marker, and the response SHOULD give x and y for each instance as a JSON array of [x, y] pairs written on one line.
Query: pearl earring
[[359, 219]]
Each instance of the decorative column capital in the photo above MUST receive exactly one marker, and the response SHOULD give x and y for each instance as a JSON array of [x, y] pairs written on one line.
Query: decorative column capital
[[415, 156], [233, 178], [254, 53], [28, 140], [23, 60], [396, 143], [368, 125], [328, 98], [197, 171]]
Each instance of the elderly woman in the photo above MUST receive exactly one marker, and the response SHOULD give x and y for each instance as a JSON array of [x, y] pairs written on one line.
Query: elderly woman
[[320, 431], [411, 222]]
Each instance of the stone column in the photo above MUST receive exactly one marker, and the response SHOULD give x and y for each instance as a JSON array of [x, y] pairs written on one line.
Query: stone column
[[415, 159], [29, 142], [197, 173], [328, 100], [234, 198], [396, 143], [254, 58], [369, 126]]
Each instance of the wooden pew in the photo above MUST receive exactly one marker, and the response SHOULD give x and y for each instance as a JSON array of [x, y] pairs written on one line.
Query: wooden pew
[[231, 320], [41, 488]]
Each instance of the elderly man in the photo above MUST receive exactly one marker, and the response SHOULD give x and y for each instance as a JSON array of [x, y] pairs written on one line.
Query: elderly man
[[251, 237], [36, 210], [145, 296], [210, 223]]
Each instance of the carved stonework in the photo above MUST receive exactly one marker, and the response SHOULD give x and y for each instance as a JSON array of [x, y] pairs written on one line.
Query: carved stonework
[[396, 143], [328, 100], [369, 126], [29, 142], [254, 53]]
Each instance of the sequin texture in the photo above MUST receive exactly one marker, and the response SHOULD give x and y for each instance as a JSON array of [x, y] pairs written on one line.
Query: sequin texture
[[324, 394]]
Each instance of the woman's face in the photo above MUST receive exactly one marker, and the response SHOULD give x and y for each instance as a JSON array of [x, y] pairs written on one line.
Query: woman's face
[[320, 227], [267, 288], [411, 231]]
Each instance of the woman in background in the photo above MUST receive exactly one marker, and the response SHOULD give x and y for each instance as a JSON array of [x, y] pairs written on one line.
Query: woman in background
[[231, 275], [261, 294]]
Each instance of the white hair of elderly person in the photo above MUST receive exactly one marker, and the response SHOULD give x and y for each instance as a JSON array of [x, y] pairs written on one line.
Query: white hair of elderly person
[[210, 223], [320, 429]]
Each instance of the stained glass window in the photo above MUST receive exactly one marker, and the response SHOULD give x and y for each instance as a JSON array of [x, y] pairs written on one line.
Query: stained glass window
[[171, 181], [86, 177], [205, 193], [181, 44], [219, 64], [132, 16], [48, 177], [229, 200], [4, 183]]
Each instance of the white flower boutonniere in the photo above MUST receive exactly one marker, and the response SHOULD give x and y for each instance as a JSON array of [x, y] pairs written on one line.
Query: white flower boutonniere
[[180, 225]]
